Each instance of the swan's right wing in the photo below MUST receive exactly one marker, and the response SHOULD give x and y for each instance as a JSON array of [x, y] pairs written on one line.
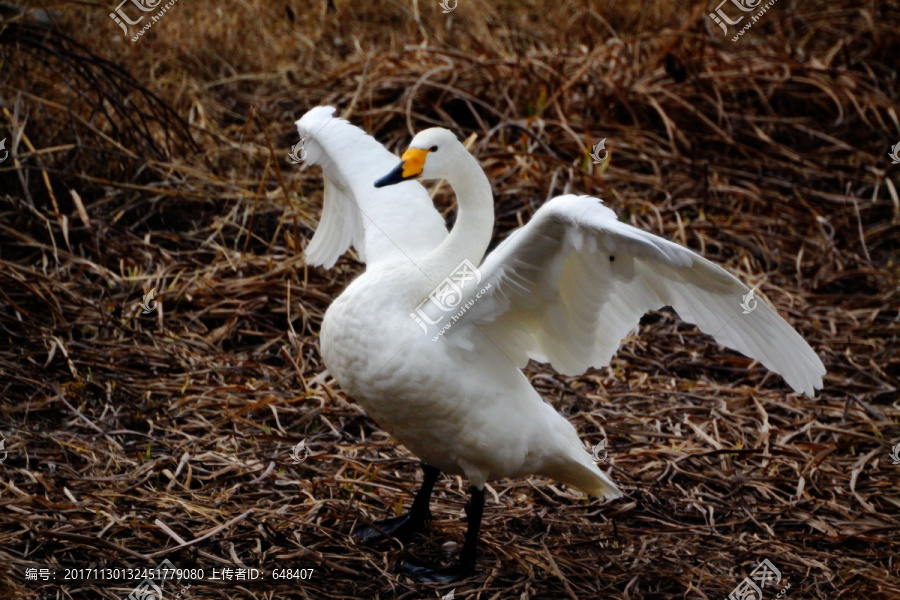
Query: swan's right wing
[[388, 224], [569, 285]]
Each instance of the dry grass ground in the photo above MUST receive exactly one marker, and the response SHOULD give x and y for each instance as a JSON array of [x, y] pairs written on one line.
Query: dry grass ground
[[162, 163]]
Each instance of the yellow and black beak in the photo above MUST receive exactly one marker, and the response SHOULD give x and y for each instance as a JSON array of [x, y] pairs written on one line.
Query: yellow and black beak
[[411, 164]]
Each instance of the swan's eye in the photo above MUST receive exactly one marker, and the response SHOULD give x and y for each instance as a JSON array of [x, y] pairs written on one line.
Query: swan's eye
[[433, 149]]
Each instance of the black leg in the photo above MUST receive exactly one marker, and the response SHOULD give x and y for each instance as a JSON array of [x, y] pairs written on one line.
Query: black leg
[[404, 527], [419, 511], [474, 511], [465, 567]]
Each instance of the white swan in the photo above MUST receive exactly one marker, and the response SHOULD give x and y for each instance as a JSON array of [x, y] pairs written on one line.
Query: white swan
[[564, 289]]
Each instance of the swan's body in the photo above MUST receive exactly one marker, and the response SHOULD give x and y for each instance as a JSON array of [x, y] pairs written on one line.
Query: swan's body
[[487, 422], [564, 289]]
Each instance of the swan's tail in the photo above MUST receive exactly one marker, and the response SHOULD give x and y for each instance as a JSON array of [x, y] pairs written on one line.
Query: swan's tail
[[565, 459]]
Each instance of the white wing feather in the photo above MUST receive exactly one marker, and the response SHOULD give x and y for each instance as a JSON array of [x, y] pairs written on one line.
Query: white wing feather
[[385, 225], [568, 287]]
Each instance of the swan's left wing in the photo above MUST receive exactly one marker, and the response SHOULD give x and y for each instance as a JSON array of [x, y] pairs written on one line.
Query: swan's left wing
[[569, 286], [390, 224]]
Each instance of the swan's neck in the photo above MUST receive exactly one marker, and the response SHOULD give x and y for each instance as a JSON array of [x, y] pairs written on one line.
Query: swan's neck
[[474, 225]]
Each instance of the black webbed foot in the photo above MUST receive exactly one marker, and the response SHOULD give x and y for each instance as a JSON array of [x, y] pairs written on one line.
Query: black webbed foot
[[428, 573], [404, 528], [461, 569]]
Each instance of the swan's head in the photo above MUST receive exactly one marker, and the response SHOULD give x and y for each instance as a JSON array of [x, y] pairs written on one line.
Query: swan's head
[[432, 154]]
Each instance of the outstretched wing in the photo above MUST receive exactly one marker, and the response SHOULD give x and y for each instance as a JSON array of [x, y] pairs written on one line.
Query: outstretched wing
[[569, 286], [388, 224]]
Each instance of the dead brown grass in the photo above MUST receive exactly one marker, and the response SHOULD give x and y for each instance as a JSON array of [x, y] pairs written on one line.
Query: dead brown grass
[[162, 164]]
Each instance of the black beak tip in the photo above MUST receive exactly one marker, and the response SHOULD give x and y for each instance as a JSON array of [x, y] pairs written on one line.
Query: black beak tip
[[395, 176]]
